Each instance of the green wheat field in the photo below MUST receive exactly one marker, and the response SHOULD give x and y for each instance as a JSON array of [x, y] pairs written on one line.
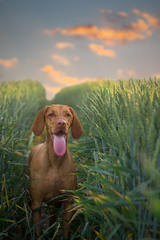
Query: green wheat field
[[117, 159]]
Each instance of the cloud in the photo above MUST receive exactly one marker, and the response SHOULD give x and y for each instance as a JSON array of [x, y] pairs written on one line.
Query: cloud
[[99, 49], [131, 73], [120, 28], [105, 11], [152, 21], [61, 78], [60, 59], [76, 59], [126, 73], [106, 35], [87, 30], [51, 91], [69, 80], [140, 26], [52, 31], [64, 45], [8, 63], [120, 72], [51, 73], [58, 76], [157, 75], [123, 14]]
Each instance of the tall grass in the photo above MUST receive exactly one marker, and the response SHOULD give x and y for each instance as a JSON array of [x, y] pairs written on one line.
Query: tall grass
[[118, 163], [19, 103], [117, 159]]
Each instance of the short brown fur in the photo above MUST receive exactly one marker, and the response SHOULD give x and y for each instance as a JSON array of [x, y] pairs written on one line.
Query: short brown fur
[[53, 173]]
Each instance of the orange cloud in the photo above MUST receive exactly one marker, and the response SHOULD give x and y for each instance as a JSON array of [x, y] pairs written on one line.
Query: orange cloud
[[60, 59], [64, 45], [76, 59], [61, 78], [101, 51], [51, 91], [52, 31], [8, 63], [123, 14], [87, 30], [120, 72], [106, 11], [51, 73], [157, 75], [140, 26], [107, 36], [58, 76], [153, 21], [131, 73], [68, 80], [135, 30], [124, 73]]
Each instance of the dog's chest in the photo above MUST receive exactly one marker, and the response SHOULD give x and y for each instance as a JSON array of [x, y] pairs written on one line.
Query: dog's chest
[[54, 186], [54, 179]]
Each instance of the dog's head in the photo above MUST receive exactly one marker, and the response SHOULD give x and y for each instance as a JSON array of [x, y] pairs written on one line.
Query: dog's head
[[58, 120]]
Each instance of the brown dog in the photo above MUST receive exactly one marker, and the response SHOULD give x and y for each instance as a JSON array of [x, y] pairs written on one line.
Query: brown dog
[[51, 163]]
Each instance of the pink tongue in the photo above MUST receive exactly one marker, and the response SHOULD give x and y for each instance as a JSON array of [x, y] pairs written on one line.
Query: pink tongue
[[59, 145]]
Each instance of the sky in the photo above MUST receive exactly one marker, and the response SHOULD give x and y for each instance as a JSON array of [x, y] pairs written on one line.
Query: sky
[[67, 42]]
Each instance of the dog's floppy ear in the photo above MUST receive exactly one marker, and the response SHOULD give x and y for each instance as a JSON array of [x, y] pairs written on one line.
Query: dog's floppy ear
[[76, 127], [38, 124]]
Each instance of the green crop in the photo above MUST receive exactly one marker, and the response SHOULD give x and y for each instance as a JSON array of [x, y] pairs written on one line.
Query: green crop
[[117, 159]]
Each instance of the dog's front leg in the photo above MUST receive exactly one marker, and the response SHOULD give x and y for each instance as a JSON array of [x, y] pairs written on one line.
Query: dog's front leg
[[36, 215], [68, 213]]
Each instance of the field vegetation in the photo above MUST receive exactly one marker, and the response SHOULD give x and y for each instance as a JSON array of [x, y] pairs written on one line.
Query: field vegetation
[[117, 159]]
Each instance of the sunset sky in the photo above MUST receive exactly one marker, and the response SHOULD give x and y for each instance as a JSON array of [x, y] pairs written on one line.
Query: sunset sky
[[67, 42]]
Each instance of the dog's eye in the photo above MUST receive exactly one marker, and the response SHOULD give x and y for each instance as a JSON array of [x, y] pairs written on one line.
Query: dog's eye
[[51, 115], [68, 115]]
